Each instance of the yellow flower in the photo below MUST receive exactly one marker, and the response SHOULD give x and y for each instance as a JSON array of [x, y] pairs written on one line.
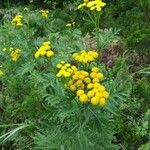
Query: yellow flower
[[81, 76], [44, 13], [99, 95], [87, 80], [67, 65], [70, 70], [85, 73], [37, 55], [94, 100], [95, 90], [49, 53], [75, 77], [59, 65], [105, 94], [80, 92], [100, 76], [74, 68], [93, 75], [59, 74], [101, 88], [90, 86], [79, 83], [90, 94], [72, 88], [15, 54], [82, 87], [74, 55], [95, 69], [102, 101], [17, 20], [95, 80], [96, 85], [83, 98], [65, 69], [67, 74]]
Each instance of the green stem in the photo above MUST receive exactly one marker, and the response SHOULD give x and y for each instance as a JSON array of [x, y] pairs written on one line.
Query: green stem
[[95, 20]]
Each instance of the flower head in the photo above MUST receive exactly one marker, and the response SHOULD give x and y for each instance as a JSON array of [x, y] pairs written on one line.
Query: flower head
[[92, 4], [17, 20], [88, 87], [44, 50], [85, 56], [44, 13], [15, 54]]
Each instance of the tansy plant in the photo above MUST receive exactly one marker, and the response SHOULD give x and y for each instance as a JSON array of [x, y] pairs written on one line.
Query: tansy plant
[[84, 82], [93, 8]]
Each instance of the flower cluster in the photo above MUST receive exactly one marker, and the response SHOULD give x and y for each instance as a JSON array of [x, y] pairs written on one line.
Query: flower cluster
[[15, 54], [85, 56], [92, 4], [17, 20], [44, 13], [88, 87], [65, 69], [44, 50]]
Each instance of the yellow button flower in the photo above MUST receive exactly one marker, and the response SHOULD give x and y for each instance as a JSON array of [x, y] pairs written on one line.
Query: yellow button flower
[[93, 75], [72, 88], [67, 74], [15, 54], [59, 65], [95, 69], [100, 76], [80, 92], [95, 80], [83, 98], [44, 13], [90, 86], [87, 80], [105, 94], [102, 101], [90, 94], [49, 53], [94, 100], [79, 83], [101, 88]]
